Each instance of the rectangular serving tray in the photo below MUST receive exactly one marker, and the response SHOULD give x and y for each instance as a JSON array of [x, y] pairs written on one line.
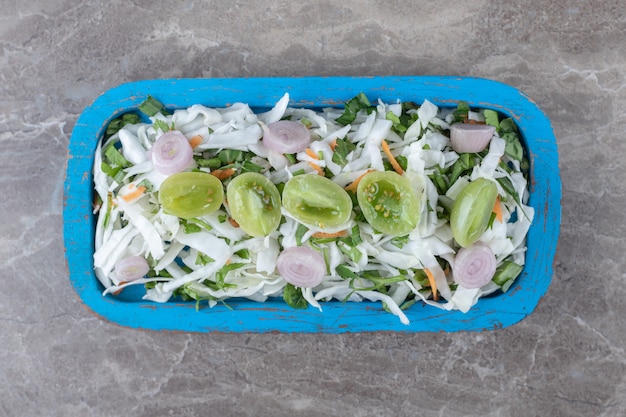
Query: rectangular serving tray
[[493, 312]]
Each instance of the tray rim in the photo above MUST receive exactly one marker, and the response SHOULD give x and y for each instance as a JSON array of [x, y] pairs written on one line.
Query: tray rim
[[494, 312]]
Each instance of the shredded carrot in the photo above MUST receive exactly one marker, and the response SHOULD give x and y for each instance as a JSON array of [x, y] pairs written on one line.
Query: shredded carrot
[[195, 141], [233, 222], [323, 235], [333, 144], [354, 184], [312, 154], [135, 194], [222, 174], [497, 209], [392, 159], [318, 168], [118, 292], [433, 284]]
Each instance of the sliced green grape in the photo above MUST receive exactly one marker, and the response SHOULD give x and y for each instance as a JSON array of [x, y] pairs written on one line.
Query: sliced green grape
[[389, 203], [254, 203], [191, 194], [472, 209], [316, 200]]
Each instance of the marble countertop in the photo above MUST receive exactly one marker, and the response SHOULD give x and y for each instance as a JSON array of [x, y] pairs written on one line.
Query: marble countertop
[[566, 359]]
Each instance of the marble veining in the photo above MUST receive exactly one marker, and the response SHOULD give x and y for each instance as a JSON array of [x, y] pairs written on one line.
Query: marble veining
[[565, 359]]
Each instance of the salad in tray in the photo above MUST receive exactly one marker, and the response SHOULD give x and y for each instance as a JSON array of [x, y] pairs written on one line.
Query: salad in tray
[[398, 203]]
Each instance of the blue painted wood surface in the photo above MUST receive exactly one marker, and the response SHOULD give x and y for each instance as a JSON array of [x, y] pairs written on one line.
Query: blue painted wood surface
[[493, 312]]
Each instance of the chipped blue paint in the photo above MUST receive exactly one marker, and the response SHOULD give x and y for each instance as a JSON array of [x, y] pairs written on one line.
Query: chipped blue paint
[[493, 312]]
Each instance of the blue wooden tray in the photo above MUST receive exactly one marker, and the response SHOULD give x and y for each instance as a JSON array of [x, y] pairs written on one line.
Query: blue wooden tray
[[493, 312]]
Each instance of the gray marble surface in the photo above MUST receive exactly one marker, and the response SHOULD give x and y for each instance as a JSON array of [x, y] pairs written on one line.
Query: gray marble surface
[[565, 359]]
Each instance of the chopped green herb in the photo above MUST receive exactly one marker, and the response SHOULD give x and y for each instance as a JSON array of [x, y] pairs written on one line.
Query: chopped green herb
[[461, 112], [115, 157], [243, 254], [294, 298], [400, 241], [300, 231], [190, 228], [160, 124], [344, 272], [203, 259], [506, 274], [492, 118], [352, 108], [342, 150], [151, 106], [116, 124]]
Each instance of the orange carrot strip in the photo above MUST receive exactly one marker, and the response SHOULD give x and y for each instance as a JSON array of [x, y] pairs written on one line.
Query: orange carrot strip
[[323, 235], [222, 174], [333, 145], [135, 194], [433, 284], [497, 209], [233, 222], [312, 154], [118, 292], [354, 184], [392, 159], [318, 168], [195, 141]]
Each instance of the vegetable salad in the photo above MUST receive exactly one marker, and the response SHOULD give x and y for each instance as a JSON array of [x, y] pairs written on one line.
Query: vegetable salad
[[397, 203]]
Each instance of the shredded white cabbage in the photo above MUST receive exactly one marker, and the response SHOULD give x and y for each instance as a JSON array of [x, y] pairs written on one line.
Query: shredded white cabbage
[[216, 260]]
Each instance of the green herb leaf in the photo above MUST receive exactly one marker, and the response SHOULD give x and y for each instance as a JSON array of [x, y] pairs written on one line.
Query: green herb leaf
[[160, 124], [116, 173], [220, 275], [439, 179], [342, 150], [380, 284], [291, 158], [151, 106], [190, 228], [116, 124], [513, 148], [507, 126], [508, 187], [506, 274], [115, 157], [203, 259], [400, 241], [300, 231], [344, 272], [212, 163], [243, 254], [229, 156], [463, 165], [147, 184], [461, 112], [294, 298], [350, 251], [248, 166], [492, 118], [352, 108]]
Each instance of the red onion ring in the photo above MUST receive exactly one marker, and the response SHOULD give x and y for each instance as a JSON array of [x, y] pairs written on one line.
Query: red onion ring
[[286, 136], [301, 266], [171, 153], [131, 268], [475, 265], [466, 137]]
